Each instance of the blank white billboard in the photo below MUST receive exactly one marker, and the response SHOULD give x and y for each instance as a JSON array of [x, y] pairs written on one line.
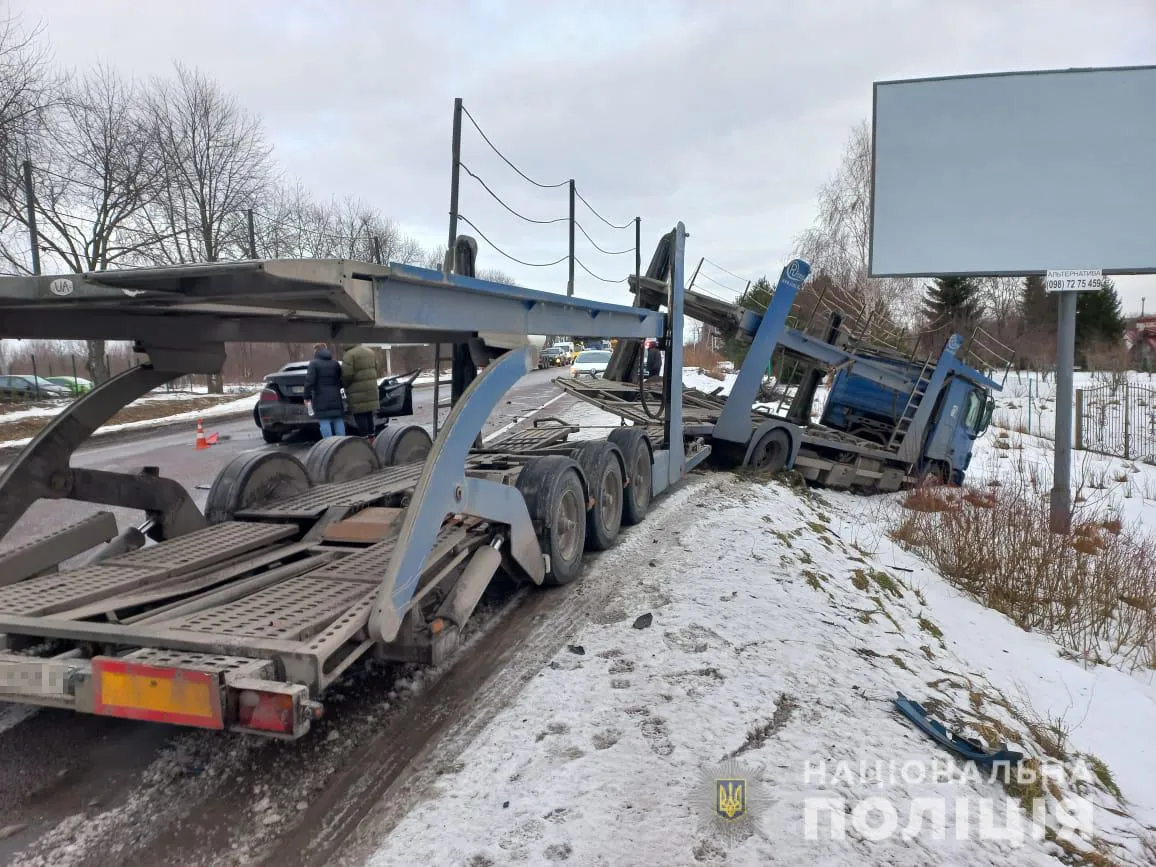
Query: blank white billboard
[[1015, 173]]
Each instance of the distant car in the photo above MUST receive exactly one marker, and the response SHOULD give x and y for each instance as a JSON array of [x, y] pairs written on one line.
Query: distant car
[[281, 407], [552, 356], [73, 383], [590, 362], [27, 387]]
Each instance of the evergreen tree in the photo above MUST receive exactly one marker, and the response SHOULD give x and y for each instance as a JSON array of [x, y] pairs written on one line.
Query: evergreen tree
[[1039, 310], [952, 303], [755, 299], [1099, 318]]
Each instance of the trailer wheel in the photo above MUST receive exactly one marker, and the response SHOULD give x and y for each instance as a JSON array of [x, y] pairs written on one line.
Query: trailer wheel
[[771, 452], [631, 441], [600, 463], [552, 488], [341, 459], [404, 444], [253, 479]]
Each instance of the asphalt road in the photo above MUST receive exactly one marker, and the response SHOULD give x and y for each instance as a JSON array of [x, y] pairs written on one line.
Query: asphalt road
[[172, 451], [85, 790]]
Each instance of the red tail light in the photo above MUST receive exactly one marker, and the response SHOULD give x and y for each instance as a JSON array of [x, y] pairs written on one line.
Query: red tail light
[[266, 711], [269, 395]]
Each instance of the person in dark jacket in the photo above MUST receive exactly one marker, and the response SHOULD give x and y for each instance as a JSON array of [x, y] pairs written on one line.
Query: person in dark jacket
[[653, 360], [359, 376], [323, 392]]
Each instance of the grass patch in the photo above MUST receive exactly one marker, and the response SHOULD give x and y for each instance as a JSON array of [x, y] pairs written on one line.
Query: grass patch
[[1091, 589], [930, 628]]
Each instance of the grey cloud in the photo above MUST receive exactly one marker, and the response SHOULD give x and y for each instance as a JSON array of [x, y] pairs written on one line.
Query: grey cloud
[[727, 115]]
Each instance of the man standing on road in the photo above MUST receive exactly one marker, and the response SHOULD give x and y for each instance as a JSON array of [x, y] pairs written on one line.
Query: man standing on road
[[323, 392], [359, 376]]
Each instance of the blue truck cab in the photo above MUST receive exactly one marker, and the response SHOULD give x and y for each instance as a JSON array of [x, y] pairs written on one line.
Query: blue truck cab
[[962, 406]]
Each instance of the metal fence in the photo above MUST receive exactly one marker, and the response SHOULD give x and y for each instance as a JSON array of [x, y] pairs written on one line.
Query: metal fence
[[1117, 420]]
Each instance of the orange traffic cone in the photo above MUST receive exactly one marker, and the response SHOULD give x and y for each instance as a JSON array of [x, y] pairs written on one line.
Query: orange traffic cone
[[201, 443]]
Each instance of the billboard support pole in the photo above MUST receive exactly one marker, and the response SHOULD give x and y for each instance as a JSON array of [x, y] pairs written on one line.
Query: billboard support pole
[[1061, 500]]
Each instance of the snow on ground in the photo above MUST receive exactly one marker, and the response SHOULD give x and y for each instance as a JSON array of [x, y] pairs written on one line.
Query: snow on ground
[[222, 409], [783, 624], [777, 642]]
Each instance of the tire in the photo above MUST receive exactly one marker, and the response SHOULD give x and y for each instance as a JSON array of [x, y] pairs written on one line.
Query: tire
[[601, 463], [272, 437], [935, 475], [402, 444], [341, 459], [635, 449], [257, 414], [555, 497], [772, 451], [254, 479]]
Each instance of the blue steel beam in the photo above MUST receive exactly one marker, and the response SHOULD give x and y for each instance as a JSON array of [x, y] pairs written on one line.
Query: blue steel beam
[[912, 445], [424, 298], [443, 489], [734, 422]]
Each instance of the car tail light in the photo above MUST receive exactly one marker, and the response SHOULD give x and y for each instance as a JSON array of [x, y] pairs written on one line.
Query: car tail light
[[268, 395]]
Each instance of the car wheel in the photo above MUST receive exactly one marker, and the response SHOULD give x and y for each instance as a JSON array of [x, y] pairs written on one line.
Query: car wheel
[[272, 437]]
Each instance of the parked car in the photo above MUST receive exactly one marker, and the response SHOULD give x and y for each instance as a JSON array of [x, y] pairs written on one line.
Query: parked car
[[75, 384], [590, 362], [281, 407], [27, 387]]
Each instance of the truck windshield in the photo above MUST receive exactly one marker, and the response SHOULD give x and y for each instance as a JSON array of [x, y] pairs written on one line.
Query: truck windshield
[[978, 411]]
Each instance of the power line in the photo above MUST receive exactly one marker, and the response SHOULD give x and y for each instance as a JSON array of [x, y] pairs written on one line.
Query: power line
[[504, 159], [592, 274], [600, 249], [717, 283], [498, 199], [502, 252], [724, 270], [625, 225]]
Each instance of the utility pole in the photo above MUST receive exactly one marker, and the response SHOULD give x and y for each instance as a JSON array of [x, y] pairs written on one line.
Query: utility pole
[[455, 177], [30, 202], [570, 281], [252, 234]]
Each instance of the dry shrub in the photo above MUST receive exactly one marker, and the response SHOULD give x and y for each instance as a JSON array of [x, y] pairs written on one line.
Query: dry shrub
[[701, 355], [1093, 590]]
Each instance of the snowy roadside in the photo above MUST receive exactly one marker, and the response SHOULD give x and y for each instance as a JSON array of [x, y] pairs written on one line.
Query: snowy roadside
[[779, 641], [233, 407]]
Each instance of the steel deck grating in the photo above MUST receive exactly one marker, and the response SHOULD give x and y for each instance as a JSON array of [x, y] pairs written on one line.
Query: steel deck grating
[[351, 620], [204, 547], [531, 438], [49, 594], [282, 611], [238, 666], [362, 492]]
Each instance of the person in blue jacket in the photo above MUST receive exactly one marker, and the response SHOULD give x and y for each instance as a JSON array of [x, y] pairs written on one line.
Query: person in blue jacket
[[323, 392]]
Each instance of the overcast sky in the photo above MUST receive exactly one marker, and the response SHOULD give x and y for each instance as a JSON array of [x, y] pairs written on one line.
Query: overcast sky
[[726, 114]]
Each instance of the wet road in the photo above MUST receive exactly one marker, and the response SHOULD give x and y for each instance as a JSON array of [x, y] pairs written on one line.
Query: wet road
[[172, 451]]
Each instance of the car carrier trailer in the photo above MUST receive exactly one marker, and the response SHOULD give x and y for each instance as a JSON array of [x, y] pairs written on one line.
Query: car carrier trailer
[[894, 416], [240, 616]]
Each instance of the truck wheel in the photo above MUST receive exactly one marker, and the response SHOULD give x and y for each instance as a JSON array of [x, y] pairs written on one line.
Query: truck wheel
[[404, 444], [254, 479], [600, 464], [631, 441], [341, 459], [771, 452], [552, 488]]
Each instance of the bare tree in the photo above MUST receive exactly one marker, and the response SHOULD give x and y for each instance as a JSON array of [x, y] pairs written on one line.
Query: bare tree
[[213, 164], [93, 175], [27, 93], [839, 242]]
